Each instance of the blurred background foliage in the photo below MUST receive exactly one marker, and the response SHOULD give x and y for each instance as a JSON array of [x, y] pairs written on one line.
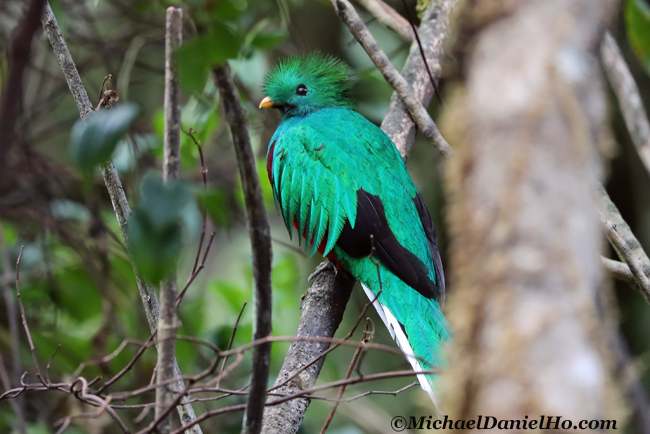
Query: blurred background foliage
[[77, 284]]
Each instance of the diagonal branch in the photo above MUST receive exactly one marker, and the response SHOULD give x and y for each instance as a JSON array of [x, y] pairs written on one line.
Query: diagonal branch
[[626, 253], [609, 210], [415, 108], [260, 235], [115, 190], [629, 97], [389, 17]]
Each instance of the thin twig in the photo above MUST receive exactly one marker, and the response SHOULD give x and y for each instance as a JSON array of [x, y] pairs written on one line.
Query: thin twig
[[32, 348], [355, 358], [260, 235], [421, 49], [196, 270], [361, 33], [49, 363], [232, 338], [620, 271], [629, 97], [129, 365], [389, 17], [434, 30], [309, 391]]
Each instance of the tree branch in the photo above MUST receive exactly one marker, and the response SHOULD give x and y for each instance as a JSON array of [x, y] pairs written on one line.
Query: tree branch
[[260, 235], [629, 98], [115, 190], [628, 256], [619, 271], [609, 210], [389, 17], [419, 114], [434, 30], [168, 324], [322, 310]]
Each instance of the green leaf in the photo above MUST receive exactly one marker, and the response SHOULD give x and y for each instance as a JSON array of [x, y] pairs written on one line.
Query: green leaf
[[192, 67], [155, 249], [637, 22], [268, 40], [92, 142], [154, 229], [198, 56], [215, 204], [229, 10], [163, 202]]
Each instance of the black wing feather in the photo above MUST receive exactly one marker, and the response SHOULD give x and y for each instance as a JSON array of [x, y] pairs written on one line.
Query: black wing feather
[[372, 230], [430, 231]]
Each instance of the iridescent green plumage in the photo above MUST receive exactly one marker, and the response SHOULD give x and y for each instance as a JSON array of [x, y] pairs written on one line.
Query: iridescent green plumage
[[340, 180]]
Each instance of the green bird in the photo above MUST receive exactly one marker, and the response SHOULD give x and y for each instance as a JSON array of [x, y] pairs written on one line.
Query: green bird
[[342, 183]]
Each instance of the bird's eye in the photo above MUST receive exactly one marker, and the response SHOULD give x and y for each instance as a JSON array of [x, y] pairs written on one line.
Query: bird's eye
[[301, 90]]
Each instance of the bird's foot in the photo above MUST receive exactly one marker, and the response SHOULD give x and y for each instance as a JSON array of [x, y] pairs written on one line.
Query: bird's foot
[[322, 267]]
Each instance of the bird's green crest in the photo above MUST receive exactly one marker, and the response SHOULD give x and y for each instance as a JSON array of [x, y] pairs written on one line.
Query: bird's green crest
[[303, 84]]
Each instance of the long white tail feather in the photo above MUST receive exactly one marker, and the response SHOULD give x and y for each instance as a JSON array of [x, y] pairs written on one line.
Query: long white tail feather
[[398, 335]]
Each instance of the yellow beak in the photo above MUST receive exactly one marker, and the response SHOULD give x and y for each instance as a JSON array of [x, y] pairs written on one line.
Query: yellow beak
[[266, 103]]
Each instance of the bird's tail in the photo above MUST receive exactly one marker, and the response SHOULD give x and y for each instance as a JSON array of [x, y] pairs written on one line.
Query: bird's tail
[[417, 325]]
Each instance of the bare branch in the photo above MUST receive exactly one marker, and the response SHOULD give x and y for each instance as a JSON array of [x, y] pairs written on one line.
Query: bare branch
[[260, 234], [612, 214], [629, 97], [321, 313], [168, 322], [628, 256], [389, 17], [368, 335], [32, 348], [434, 30], [620, 271], [361, 33], [112, 181], [307, 392]]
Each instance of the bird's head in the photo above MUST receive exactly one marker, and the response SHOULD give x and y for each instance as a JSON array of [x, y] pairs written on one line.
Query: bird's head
[[300, 85]]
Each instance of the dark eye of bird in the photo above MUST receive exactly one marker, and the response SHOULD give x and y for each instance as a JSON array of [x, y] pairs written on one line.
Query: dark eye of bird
[[301, 90]]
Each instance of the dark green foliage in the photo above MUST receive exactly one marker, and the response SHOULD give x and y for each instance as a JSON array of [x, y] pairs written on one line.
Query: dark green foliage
[[93, 141], [197, 57], [637, 21], [154, 229]]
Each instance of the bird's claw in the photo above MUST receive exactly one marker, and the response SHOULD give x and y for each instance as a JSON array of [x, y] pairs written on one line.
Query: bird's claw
[[322, 267]]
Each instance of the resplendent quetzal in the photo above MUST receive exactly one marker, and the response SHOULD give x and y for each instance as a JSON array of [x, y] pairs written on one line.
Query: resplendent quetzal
[[342, 183]]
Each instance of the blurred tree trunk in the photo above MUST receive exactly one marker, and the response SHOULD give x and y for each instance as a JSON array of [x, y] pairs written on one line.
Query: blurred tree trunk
[[527, 127]]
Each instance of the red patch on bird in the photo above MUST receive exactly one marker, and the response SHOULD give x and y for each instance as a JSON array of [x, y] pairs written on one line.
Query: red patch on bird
[[321, 248], [269, 162]]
